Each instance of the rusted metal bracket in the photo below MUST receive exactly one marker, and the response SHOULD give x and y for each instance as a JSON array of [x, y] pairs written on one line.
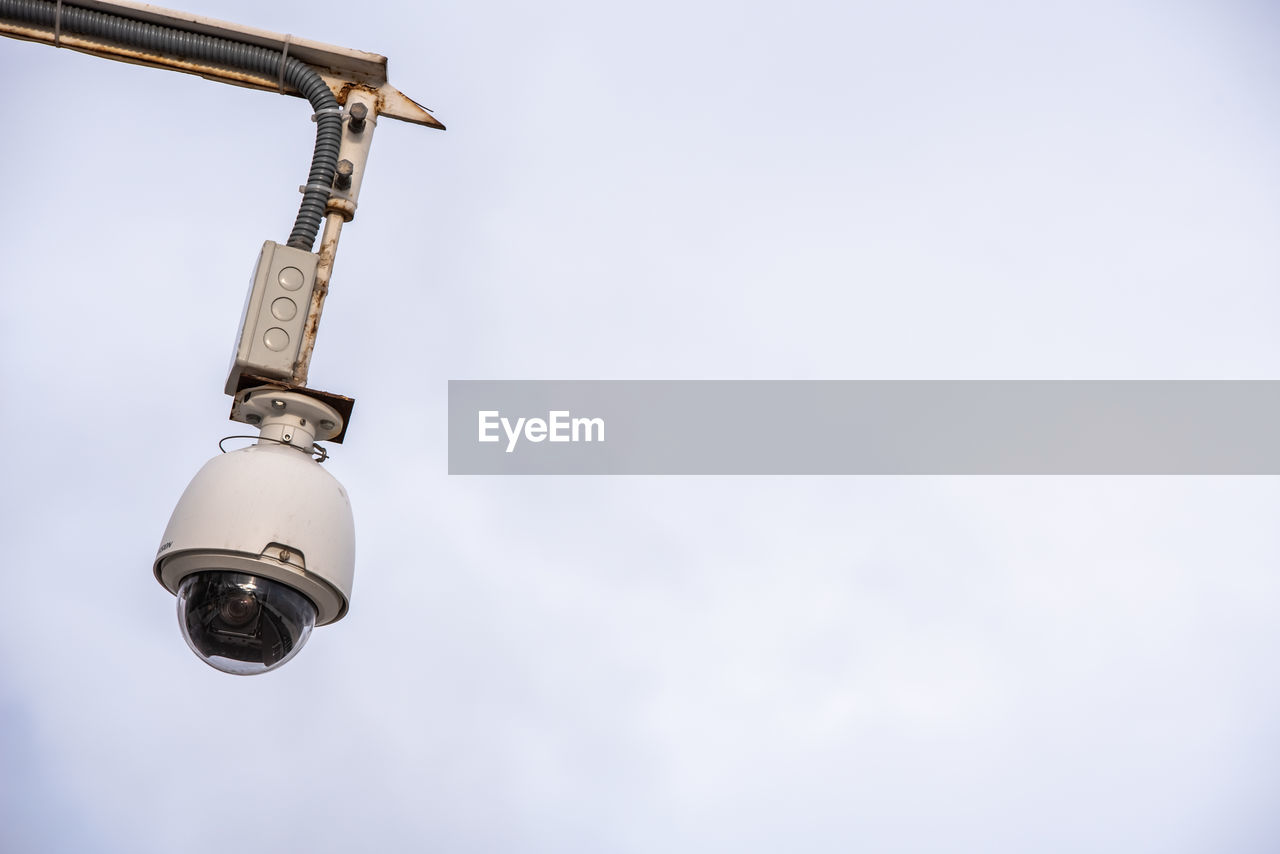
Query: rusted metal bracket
[[342, 68], [341, 208]]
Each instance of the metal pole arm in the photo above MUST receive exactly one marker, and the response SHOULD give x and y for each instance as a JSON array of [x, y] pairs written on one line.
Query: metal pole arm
[[179, 41], [340, 67], [341, 209]]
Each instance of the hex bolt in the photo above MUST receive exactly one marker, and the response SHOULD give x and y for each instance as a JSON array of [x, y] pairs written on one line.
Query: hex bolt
[[253, 418], [326, 424], [358, 112], [278, 405], [342, 180]]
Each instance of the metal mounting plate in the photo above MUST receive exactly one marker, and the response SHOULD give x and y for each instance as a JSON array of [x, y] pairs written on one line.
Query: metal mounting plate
[[342, 405]]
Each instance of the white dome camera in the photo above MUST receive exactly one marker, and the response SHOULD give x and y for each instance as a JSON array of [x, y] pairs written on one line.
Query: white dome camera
[[261, 546]]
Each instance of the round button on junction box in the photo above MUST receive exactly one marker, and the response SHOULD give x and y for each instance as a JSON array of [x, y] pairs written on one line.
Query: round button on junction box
[[275, 338], [284, 309], [291, 278]]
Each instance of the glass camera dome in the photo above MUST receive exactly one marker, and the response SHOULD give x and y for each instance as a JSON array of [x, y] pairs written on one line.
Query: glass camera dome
[[243, 624]]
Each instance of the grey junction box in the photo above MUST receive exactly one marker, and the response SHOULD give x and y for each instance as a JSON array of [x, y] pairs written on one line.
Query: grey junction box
[[275, 313]]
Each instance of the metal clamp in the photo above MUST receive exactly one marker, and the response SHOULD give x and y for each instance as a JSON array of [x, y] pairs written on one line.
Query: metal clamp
[[284, 58], [303, 188]]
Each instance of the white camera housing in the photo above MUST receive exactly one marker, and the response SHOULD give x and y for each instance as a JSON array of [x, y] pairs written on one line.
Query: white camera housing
[[267, 510], [270, 511]]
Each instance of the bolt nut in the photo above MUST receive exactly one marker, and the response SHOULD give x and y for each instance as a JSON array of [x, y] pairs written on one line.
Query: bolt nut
[[358, 112], [278, 405], [253, 418], [342, 179], [326, 424]]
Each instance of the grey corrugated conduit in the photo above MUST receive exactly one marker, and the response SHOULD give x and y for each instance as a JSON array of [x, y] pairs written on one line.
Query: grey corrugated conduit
[[148, 36]]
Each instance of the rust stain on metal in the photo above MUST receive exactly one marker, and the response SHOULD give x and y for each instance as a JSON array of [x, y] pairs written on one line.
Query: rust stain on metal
[[324, 271], [344, 208], [347, 88]]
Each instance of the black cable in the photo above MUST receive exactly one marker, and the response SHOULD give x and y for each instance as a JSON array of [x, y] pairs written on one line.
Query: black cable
[[199, 46]]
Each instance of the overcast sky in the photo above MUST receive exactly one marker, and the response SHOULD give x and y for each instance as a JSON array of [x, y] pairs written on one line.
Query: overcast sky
[[662, 190]]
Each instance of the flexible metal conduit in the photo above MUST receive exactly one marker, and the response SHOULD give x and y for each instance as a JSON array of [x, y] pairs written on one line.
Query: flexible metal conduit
[[248, 57]]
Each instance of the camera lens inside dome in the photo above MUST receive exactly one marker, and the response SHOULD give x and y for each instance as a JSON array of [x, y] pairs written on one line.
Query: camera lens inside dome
[[243, 624], [238, 609]]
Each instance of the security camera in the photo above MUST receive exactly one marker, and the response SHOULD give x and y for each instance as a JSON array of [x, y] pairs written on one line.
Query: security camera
[[261, 546]]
